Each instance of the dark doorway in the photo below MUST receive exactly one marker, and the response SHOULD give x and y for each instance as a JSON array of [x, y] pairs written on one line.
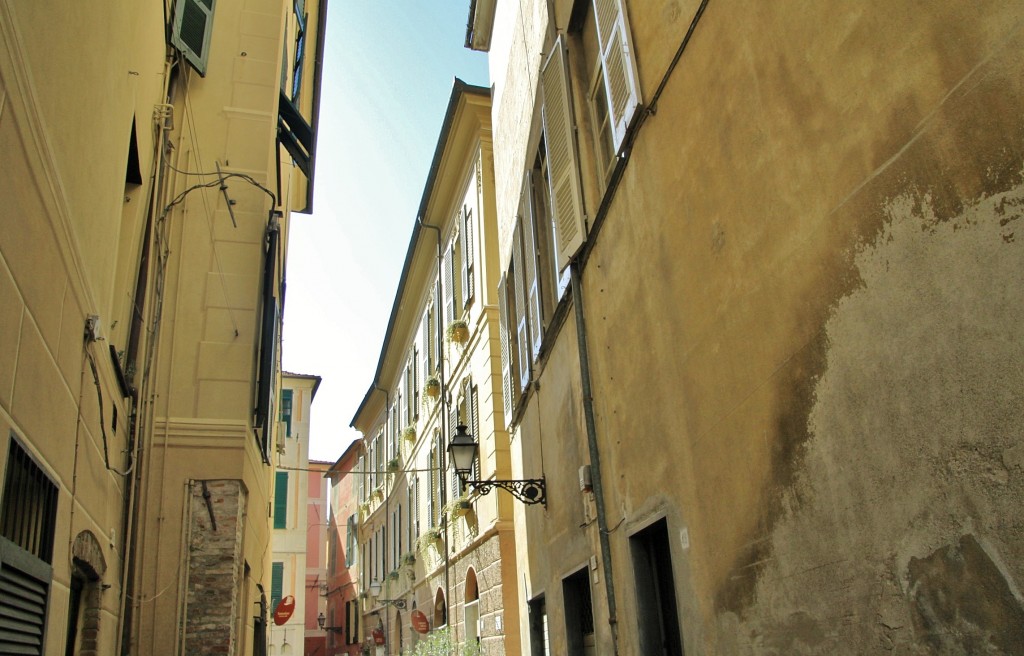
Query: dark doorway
[[657, 618], [539, 627]]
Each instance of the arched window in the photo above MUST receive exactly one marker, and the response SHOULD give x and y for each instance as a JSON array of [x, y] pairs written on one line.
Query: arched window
[[472, 608], [440, 609]]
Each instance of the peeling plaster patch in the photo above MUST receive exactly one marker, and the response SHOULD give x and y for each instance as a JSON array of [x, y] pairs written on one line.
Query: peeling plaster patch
[[913, 440]]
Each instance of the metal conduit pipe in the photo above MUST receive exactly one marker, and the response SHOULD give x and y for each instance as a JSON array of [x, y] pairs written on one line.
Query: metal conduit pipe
[[595, 454], [581, 331]]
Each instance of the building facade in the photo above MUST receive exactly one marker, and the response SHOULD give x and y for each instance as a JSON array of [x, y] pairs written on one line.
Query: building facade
[[434, 554], [294, 517], [317, 536], [343, 619], [761, 286], [149, 176]]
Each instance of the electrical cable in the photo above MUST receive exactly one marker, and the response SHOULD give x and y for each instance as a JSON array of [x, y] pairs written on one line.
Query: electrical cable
[[103, 427]]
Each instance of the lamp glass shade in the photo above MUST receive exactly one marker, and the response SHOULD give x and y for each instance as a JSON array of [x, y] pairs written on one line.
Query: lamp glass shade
[[375, 588], [320, 619], [462, 451]]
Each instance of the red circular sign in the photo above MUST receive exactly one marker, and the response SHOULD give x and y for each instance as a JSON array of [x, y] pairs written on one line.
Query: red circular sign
[[284, 610], [378, 637], [419, 622]]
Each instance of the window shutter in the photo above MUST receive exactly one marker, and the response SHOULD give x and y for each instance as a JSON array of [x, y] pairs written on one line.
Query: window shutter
[[467, 256], [428, 342], [449, 291], [530, 272], [281, 500], [193, 25], [276, 584], [23, 599], [618, 64], [504, 329], [522, 329], [563, 167], [453, 421], [432, 497], [414, 402], [474, 413], [407, 393]]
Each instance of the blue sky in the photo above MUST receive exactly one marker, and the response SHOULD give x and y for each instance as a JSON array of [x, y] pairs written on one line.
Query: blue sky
[[388, 73]]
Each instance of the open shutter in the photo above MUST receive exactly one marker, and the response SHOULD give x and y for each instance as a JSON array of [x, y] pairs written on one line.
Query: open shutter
[[504, 330], [432, 496], [281, 500], [276, 584], [414, 402], [474, 425], [563, 166], [449, 286], [428, 341], [453, 421], [467, 256], [522, 329], [531, 268], [618, 64], [193, 25]]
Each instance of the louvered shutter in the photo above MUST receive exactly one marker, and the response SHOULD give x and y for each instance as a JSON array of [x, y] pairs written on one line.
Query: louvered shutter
[[23, 597], [522, 328], [276, 584], [474, 413], [281, 500], [563, 167], [428, 344], [618, 64], [432, 497], [193, 26], [453, 421], [449, 286], [504, 329], [468, 256], [530, 272], [414, 407], [406, 394]]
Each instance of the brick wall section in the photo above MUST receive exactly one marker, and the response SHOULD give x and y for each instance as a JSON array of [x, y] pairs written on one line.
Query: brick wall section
[[214, 566]]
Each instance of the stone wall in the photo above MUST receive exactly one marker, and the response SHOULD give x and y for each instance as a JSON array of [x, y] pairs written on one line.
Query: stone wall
[[215, 526]]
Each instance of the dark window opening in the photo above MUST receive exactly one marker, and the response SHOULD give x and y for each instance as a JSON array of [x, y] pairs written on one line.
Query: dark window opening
[[579, 613], [657, 617], [539, 645], [133, 172]]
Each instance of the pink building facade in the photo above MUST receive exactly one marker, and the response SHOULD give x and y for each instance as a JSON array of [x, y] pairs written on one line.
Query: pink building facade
[[342, 618], [315, 639]]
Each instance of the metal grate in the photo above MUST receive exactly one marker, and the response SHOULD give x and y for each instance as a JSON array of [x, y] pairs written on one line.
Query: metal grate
[[29, 505]]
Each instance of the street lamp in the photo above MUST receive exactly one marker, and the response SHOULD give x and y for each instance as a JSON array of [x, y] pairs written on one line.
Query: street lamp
[[375, 588], [462, 451], [320, 620]]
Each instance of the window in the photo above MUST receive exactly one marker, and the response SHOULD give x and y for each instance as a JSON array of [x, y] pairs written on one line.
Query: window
[[300, 47], [350, 541], [539, 643], [269, 325], [286, 410], [193, 25], [618, 66], [281, 500], [657, 617], [467, 230], [27, 521], [276, 584], [579, 614]]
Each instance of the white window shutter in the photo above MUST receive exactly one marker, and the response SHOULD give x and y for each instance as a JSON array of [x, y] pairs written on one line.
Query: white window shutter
[[619, 65], [522, 329], [560, 141], [449, 286], [474, 409], [466, 232], [508, 400], [530, 271], [193, 25]]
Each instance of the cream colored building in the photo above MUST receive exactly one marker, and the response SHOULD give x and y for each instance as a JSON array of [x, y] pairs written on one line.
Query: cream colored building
[[434, 547], [290, 515], [152, 154], [762, 274]]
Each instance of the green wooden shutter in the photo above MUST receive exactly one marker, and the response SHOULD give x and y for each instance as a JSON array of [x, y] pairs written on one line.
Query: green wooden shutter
[[276, 584], [281, 500]]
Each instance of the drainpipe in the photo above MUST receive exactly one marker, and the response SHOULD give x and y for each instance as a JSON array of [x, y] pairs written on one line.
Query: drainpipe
[[595, 454], [446, 400]]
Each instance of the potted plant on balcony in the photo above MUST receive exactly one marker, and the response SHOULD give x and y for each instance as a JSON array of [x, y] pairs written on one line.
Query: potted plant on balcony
[[394, 465], [393, 575], [409, 559], [432, 387], [458, 507], [458, 332], [378, 493], [429, 537], [409, 433]]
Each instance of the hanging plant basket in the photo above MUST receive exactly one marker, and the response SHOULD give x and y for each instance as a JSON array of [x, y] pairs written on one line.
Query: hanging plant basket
[[432, 536], [378, 493], [458, 332], [394, 465], [459, 507], [409, 433], [393, 575], [432, 387], [409, 559]]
